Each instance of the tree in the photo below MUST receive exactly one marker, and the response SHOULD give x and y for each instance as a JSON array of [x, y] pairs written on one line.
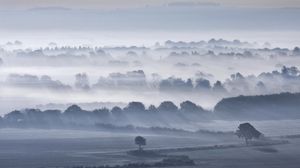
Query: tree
[[1, 122], [167, 106], [135, 107], [102, 113], [203, 84], [76, 114], [35, 117], [14, 117], [116, 111], [247, 131], [53, 117], [152, 109], [296, 51], [218, 87], [73, 109], [175, 84], [140, 141], [189, 106], [82, 81]]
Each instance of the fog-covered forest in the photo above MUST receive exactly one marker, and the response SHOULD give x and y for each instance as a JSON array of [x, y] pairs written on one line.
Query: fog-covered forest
[[149, 84], [203, 72], [166, 115], [200, 90]]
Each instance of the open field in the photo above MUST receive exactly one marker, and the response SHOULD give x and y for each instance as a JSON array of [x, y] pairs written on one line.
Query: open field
[[55, 148], [278, 156], [67, 148]]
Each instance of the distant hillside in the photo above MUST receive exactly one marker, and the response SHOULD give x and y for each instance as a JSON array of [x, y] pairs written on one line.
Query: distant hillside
[[276, 106]]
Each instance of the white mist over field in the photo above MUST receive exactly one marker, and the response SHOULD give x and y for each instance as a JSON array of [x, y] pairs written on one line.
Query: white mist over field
[[41, 38], [159, 83], [148, 59]]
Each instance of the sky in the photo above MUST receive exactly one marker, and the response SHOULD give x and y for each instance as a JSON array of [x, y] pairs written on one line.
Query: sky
[[114, 4]]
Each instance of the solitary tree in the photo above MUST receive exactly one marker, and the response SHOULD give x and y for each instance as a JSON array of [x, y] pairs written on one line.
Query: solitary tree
[[247, 131], [140, 141]]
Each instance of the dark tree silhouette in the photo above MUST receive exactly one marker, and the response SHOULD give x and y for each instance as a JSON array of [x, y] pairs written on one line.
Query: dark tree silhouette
[[274, 106], [53, 117], [247, 131], [203, 84], [167, 106], [116, 111], [102, 113], [175, 84], [152, 109], [14, 117], [73, 109], [140, 141], [135, 107], [74, 113], [218, 87], [35, 117], [189, 106], [296, 51]]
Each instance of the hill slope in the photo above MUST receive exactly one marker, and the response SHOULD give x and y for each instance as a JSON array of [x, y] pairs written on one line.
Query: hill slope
[[276, 106]]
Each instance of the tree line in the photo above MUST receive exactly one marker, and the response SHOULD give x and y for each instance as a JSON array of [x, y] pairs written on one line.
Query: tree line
[[76, 116]]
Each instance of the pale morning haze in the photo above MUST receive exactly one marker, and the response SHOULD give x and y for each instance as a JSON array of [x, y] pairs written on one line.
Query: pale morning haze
[[149, 84], [113, 4]]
